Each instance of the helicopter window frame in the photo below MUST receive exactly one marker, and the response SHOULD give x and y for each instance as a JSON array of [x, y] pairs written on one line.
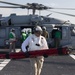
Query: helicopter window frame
[[72, 32]]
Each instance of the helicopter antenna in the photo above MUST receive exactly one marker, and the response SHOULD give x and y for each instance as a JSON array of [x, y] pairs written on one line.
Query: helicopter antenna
[[49, 14]]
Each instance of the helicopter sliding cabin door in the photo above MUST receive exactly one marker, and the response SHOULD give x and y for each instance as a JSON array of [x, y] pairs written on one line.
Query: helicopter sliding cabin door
[[66, 35]]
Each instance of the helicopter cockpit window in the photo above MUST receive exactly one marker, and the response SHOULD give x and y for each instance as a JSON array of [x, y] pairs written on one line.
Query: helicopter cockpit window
[[3, 23], [73, 31], [64, 32]]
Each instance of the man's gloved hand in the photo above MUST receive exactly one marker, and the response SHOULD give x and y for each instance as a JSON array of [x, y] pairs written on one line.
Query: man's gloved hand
[[45, 55], [27, 54], [37, 44]]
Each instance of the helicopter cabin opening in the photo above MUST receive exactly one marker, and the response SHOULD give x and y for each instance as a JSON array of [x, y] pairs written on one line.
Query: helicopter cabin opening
[[66, 35], [4, 33]]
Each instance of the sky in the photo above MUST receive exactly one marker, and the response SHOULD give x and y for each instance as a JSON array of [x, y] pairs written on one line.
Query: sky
[[51, 3]]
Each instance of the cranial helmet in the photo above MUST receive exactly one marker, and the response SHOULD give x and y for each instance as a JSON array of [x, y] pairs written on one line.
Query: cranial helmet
[[44, 28], [38, 28], [12, 29], [29, 31]]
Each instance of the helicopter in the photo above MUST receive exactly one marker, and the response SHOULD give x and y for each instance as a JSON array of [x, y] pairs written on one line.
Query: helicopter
[[19, 22]]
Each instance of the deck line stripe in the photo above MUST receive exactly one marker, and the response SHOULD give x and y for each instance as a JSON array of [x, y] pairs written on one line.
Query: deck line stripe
[[4, 63], [73, 56]]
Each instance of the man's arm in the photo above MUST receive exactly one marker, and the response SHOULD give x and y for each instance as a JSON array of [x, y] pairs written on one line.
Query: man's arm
[[45, 45]]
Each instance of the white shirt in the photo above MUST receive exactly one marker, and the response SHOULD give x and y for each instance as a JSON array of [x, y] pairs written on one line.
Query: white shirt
[[32, 40]]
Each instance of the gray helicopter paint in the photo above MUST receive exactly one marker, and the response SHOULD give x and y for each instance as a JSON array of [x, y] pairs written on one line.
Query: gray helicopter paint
[[19, 22], [33, 18]]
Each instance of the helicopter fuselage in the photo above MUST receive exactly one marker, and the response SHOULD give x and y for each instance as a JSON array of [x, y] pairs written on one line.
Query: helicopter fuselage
[[29, 22]]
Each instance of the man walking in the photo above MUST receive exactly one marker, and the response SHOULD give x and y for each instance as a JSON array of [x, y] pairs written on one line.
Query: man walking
[[45, 33], [12, 40], [23, 35], [56, 35], [35, 42]]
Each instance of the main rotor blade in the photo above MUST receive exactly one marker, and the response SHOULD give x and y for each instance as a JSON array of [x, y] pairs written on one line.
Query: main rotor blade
[[35, 6], [9, 7], [62, 8], [11, 3], [63, 13]]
